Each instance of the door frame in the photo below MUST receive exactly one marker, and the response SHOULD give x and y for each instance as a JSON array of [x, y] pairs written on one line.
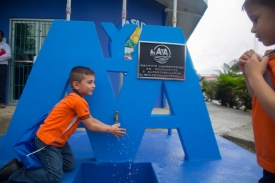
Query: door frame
[[11, 73]]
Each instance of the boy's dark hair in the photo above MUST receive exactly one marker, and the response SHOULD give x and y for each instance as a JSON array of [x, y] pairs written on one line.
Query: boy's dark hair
[[261, 2], [2, 33], [77, 73]]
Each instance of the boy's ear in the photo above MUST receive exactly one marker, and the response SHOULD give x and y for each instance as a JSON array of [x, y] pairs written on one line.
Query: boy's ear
[[75, 85]]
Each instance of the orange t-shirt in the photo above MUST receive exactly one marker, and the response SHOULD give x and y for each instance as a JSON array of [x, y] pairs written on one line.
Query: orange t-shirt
[[60, 118], [264, 129]]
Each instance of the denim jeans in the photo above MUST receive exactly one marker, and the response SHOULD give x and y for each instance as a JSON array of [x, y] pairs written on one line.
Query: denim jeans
[[3, 77], [55, 162], [268, 177]]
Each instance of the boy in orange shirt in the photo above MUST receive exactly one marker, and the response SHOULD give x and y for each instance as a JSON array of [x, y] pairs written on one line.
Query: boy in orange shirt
[[57, 157], [259, 74]]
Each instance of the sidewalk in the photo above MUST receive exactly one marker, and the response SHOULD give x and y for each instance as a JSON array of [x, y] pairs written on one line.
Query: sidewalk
[[232, 124], [5, 117]]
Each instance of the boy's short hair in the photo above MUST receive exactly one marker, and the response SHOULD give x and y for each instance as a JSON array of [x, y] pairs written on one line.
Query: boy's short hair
[[77, 74], [261, 2]]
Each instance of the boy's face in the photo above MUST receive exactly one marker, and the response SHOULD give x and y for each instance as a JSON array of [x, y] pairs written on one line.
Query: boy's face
[[86, 86], [262, 17]]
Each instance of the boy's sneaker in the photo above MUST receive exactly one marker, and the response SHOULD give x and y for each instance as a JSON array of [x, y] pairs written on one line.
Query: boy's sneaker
[[2, 105], [9, 168]]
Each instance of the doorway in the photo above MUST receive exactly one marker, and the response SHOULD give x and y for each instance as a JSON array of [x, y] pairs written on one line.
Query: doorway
[[27, 38]]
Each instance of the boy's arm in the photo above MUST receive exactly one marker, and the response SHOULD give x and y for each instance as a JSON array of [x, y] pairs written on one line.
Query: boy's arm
[[7, 55], [98, 122], [93, 124], [250, 90], [265, 94]]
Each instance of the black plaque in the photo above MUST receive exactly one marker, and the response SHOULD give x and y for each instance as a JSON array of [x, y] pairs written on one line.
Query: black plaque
[[165, 61]]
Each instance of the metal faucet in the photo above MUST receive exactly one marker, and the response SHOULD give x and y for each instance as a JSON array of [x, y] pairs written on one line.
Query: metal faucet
[[116, 117]]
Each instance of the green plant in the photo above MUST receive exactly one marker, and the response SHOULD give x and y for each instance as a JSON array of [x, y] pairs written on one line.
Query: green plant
[[209, 89], [224, 90], [244, 98], [231, 89]]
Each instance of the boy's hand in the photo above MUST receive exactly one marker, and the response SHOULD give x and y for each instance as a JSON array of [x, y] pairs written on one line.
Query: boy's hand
[[255, 66], [116, 131], [243, 59]]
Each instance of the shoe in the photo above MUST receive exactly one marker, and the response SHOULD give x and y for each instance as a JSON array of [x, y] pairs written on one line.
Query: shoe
[[14, 160], [9, 168], [2, 105]]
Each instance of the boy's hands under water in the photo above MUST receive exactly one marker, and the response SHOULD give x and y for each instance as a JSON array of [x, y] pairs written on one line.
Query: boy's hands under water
[[116, 131]]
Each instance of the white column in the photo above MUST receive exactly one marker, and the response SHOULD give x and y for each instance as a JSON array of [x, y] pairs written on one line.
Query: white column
[[174, 25], [123, 16], [68, 10], [175, 13]]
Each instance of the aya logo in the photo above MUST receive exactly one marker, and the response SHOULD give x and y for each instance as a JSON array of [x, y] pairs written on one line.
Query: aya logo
[[161, 54]]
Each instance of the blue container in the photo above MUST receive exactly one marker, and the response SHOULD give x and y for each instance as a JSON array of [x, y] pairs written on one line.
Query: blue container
[[116, 172]]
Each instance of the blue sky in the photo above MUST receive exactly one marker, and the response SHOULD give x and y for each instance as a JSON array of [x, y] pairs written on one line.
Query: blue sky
[[222, 35]]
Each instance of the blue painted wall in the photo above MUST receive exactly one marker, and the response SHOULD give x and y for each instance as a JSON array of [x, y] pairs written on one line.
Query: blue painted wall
[[148, 11]]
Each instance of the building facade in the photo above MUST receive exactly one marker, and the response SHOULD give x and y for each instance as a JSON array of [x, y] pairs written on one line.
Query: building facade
[[26, 24]]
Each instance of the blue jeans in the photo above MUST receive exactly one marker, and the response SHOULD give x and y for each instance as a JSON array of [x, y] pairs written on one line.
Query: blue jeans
[[55, 162], [3, 77], [268, 177]]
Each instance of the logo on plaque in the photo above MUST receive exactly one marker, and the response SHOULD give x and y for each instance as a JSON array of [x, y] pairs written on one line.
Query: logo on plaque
[[161, 54]]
